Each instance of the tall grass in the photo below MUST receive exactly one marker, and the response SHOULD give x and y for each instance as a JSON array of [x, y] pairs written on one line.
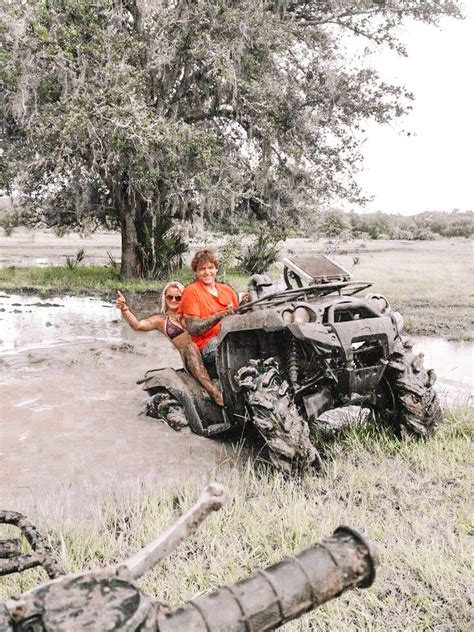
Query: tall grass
[[411, 497]]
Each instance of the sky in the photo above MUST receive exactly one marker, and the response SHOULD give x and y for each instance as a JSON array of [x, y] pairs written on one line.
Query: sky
[[432, 168]]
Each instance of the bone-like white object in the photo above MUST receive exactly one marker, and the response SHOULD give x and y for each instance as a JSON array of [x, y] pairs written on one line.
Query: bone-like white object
[[211, 499]]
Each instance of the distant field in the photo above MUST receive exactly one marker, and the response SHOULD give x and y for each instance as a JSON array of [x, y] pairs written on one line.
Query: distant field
[[411, 497], [430, 282]]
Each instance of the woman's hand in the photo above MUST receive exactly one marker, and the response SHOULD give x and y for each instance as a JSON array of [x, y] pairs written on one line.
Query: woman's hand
[[120, 302]]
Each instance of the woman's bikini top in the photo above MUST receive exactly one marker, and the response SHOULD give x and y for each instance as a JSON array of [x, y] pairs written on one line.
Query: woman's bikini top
[[172, 330]]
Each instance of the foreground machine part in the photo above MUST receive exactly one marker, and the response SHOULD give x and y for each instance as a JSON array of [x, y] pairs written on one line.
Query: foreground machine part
[[11, 557], [108, 599], [289, 356], [269, 598]]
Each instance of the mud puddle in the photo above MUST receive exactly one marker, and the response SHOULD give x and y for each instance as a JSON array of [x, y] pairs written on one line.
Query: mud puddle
[[453, 362], [70, 427]]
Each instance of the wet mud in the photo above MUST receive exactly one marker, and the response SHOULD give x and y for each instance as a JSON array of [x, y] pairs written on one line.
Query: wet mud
[[70, 428]]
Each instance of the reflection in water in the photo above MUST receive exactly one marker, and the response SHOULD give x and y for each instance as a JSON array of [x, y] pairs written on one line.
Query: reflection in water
[[33, 323]]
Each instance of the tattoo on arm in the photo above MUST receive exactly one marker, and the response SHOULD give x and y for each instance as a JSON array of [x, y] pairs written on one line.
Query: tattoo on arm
[[197, 326]]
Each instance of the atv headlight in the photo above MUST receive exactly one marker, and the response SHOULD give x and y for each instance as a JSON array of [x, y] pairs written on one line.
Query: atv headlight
[[287, 316], [379, 302], [301, 315]]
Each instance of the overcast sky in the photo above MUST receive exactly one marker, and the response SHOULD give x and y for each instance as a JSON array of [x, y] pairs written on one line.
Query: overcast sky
[[433, 167]]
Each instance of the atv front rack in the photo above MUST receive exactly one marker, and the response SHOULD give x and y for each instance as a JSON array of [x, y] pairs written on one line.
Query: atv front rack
[[314, 270]]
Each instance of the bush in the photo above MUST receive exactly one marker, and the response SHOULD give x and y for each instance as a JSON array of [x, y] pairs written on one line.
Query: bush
[[263, 252], [161, 248], [425, 235], [230, 253], [8, 222], [73, 262]]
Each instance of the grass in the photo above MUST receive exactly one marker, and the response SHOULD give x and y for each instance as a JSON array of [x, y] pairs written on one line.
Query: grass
[[410, 497], [428, 282], [102, 280]]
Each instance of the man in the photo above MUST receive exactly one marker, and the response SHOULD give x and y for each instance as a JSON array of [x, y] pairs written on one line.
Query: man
[[204, 304]]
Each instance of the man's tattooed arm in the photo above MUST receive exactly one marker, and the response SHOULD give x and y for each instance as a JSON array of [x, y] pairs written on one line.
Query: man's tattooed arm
[[197, 326]]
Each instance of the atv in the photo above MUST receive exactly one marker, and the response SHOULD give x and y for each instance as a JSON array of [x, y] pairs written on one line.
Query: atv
[[288, 356]]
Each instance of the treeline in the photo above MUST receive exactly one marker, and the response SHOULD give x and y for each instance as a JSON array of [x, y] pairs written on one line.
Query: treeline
[[424, 226]]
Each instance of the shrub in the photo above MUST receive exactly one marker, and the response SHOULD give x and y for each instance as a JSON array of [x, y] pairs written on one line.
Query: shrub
[[8, 222], [73, 262], [230, 253], [262, 252], [161, 249]]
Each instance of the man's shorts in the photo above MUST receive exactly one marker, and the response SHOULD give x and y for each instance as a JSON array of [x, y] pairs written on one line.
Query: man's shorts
[[209, 356]]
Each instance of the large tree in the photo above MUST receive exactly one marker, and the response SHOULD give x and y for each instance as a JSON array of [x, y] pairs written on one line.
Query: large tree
[[123, 112]]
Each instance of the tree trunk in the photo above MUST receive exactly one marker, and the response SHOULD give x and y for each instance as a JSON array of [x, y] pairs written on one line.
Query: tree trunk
[[130, 266]]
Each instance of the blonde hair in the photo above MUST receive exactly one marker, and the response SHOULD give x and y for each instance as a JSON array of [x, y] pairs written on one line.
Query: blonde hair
[[179, 286]]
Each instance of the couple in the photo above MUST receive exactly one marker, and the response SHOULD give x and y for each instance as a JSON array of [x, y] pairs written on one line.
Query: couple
[[191, 318]]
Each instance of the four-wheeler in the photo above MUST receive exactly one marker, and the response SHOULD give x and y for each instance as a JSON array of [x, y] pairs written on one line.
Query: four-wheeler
[[289, 355]]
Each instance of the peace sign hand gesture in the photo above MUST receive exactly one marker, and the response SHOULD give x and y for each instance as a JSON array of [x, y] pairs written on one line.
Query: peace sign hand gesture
[[120, 302]]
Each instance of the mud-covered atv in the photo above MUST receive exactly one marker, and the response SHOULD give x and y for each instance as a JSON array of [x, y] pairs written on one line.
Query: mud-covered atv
[[289, 356]]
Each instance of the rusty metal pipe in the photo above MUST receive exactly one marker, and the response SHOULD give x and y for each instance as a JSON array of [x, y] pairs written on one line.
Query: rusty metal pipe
[[267, 599]]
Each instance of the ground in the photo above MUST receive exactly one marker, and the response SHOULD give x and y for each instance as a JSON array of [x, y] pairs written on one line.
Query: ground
[[103, 481]]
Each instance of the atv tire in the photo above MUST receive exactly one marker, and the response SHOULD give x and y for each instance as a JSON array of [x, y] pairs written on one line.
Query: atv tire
[[416, 410], [167, 408], [275, 416]]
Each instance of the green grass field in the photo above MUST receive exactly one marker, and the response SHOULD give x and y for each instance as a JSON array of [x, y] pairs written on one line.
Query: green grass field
[[410, 497]]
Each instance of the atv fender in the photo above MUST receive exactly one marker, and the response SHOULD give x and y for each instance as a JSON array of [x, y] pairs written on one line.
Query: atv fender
[[180, 384], [198, 406]]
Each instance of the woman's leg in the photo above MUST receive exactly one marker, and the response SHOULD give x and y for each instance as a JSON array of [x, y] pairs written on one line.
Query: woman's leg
[[193, 361]]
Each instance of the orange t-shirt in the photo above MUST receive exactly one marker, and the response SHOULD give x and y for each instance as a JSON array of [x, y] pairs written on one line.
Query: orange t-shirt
[[197, 301]]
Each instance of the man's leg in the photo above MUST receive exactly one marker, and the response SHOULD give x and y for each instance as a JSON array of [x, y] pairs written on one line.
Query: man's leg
[[195, 365], [209, 354]]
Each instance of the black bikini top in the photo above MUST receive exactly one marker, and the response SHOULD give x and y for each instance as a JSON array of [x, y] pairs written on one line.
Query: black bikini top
[[173, 330]]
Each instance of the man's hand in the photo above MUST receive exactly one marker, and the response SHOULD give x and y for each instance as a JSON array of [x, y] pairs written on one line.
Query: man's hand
[[120, 302], [198, 326]]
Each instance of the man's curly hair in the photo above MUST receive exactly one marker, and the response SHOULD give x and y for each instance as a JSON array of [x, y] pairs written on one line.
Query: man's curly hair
[[204, 256]]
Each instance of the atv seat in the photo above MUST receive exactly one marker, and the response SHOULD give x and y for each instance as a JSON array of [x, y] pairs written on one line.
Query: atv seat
[[313, 270]]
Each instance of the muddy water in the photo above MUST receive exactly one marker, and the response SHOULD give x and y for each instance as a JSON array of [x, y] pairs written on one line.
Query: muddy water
[[69, 425], [453, 362]]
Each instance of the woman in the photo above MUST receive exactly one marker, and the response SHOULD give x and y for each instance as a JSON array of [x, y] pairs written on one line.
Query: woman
[[169, 323]]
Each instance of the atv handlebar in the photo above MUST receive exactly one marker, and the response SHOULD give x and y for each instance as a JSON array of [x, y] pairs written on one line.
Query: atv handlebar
[[267, 599], [344, 288]]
